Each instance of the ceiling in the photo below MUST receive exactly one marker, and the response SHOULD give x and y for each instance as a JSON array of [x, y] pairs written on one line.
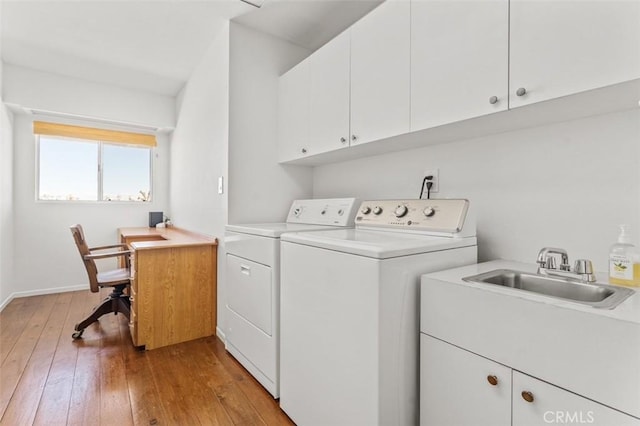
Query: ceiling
[[153, 45]]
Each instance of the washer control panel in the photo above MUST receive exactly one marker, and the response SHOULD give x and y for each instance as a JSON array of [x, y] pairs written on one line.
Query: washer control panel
[[446, 216], [329, 211]]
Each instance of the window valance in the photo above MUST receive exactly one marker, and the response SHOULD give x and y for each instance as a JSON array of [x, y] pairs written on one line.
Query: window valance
[[91, 133]]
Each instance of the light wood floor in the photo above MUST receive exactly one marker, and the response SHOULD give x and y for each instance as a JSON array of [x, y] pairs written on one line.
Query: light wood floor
[[47, 378]]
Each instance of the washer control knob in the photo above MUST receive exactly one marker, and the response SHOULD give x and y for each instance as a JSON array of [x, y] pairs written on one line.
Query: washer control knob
[[365, 210], [400, 211], [429, 211], [377, 210], [297, 212], [340, 212]]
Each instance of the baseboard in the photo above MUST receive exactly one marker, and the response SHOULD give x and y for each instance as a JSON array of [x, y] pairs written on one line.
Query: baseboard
[[220, 334], [19, 294]]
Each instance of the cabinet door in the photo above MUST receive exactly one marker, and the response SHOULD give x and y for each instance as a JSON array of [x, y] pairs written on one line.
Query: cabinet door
[[459, 60], [380, 74], [567, 46], [293, 112], [329, 96], [459, 388], [545, 404]]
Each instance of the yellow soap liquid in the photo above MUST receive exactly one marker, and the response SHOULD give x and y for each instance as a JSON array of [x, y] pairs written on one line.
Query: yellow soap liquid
[[635, 282]]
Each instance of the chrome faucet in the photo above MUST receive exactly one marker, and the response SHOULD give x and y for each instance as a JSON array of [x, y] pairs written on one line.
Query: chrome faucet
[[546, 260], [582, 269]]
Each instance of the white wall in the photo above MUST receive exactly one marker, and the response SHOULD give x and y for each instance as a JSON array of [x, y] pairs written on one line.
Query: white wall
[[6, 193], [226, 127], [199, 144], [6, 199], [199, 151], [260, 190], [66, 95], [45, 256], [565, 185]]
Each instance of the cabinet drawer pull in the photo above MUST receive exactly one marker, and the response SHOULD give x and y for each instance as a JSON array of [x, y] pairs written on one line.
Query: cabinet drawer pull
[[527, 396], [493, 380]]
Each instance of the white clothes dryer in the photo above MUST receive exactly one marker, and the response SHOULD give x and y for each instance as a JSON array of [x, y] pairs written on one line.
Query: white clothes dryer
[[252, 335], [349, 351]]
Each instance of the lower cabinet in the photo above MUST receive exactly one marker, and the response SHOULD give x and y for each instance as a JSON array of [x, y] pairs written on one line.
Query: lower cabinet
[[460, 388], [539, 403], [173, 295]]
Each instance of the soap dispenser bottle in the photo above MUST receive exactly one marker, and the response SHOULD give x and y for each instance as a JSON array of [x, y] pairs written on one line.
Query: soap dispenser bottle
[[624, 260]]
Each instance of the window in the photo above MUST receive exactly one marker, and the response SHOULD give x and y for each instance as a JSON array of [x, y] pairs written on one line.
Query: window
[[77, 169], [68, 170], [126, 173]]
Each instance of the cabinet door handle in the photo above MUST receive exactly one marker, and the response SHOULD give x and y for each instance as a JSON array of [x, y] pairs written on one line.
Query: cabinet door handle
[[493, 100], [303, 150], [343, 139], [354, 138], [527, 396], [245, 270], [521, 91], [493, 380]]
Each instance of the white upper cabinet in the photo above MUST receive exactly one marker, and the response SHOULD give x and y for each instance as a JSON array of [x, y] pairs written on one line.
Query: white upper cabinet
[[567, 46], [416, 65], [329, 96], [293, 113], [459, 60], [380, 73]]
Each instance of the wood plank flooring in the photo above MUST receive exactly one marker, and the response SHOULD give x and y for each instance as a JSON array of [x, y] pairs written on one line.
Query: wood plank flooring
[[47, 378]]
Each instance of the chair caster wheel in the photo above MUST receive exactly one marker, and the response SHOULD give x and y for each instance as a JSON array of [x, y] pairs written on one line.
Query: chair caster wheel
[[77, 334]]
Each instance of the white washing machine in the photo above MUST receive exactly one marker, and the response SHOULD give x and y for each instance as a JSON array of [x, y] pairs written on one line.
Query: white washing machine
[[253, 282], [349, 351]]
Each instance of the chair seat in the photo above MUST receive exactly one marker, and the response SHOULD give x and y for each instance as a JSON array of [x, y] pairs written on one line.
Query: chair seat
[[113, 277]]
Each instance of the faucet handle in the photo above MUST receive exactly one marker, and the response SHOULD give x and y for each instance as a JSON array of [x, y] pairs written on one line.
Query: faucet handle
[[550, 263], [546, 258], [547, 262], [583, 266]]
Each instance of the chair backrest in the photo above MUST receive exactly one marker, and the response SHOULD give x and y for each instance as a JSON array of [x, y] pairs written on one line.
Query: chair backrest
[[89, 264]]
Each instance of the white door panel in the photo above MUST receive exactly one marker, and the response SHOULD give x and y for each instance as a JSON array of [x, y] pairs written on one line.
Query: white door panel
[[459, 60], [380, 73]]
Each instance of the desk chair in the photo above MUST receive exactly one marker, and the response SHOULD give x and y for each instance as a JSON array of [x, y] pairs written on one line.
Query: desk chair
[[118, 279]]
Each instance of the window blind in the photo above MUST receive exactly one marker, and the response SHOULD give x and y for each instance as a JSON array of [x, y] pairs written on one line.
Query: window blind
[[91, 133]]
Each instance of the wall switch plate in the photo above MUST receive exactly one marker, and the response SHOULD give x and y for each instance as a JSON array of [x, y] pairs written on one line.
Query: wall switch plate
[[220, 185], [435, 180]]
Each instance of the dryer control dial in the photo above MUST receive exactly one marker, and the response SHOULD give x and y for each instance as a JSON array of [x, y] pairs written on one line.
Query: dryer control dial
[[400, 211], [377, 210], [429, 211]]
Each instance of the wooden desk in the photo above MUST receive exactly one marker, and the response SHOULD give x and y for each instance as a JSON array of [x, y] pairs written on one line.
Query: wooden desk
[[173, 285]]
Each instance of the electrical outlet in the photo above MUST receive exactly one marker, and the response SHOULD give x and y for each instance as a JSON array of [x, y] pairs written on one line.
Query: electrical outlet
[[435, 180]]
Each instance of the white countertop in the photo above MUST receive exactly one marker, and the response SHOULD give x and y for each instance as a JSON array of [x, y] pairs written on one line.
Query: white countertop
[[628, 310]]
